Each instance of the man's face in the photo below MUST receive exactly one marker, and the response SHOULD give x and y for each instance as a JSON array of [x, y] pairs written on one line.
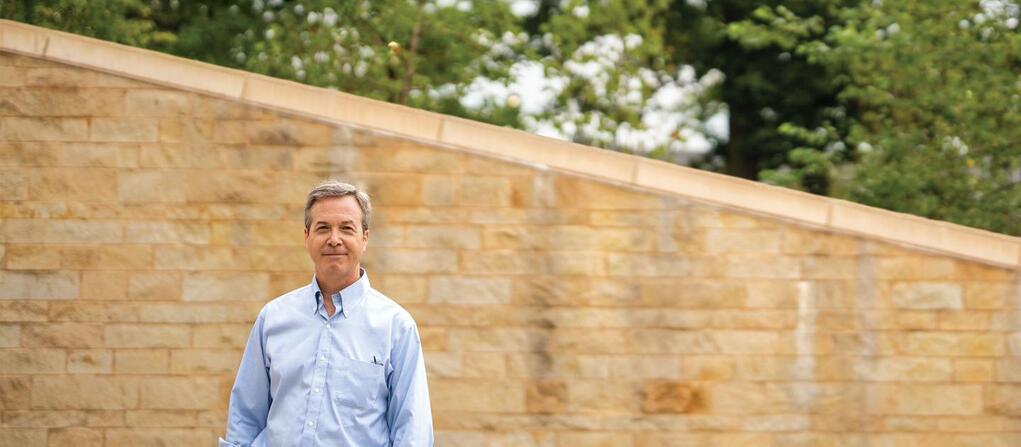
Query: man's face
[[336, 240]]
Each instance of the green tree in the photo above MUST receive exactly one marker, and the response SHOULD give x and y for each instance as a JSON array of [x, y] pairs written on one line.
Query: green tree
[[125, 21], [931, 92]]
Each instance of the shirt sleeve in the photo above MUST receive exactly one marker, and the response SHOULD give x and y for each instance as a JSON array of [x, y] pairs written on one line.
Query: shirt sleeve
[[409, 414], [250, 396]]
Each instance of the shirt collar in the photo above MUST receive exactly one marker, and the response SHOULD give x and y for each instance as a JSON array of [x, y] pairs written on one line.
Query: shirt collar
[[351, 297]]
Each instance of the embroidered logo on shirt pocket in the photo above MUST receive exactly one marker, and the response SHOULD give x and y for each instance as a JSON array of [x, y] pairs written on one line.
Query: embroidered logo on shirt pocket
[[357, 384]]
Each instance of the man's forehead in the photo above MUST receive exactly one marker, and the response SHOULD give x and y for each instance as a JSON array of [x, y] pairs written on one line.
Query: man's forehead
[[336, 209]]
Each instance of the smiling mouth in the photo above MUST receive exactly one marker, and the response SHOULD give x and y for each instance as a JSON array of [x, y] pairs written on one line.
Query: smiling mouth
[[334, 254]]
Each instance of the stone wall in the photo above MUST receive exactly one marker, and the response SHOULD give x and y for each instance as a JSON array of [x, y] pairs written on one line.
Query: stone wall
[[143, 228]]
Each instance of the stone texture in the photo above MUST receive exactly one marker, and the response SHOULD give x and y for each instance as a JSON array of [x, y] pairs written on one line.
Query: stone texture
[[667, 397], [927, 296]]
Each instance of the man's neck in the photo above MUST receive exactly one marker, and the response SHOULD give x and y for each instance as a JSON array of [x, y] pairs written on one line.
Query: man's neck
[[328, 288]]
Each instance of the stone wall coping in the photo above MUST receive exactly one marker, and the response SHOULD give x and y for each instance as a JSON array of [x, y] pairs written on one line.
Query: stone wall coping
[[824, 213]]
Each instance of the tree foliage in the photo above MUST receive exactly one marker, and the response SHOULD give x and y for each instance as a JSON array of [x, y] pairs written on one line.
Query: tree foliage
[[927, 120]]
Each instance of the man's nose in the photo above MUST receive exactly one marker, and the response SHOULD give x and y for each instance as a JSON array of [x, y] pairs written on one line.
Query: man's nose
[[334, 238]]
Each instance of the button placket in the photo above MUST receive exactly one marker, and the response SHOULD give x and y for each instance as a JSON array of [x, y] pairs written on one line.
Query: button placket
[[320, 369]]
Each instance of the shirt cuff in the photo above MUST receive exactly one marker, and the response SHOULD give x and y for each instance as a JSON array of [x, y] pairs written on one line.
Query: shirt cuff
[[225, 443]]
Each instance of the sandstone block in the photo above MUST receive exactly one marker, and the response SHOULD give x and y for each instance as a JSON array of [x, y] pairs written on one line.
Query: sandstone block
[[147, 336], [275, 233], [955, 344], [667, 397], [415, 158], [914, 268], [12, 76], [10, 335], [797, 241], [84, 184], [222, 335], [496, 339], [287, 132], [43, 129], [442, 237], [17, 311], [23, 437], [178, 156], [13, 183], [32, 361], [128, 437], [76, 436], [485, 365], [141, 361], [646, 265], [84, 393], [437, 191], [195, 258], [156, 103], [484, 191], [15, 392], [231, 187], [905, 369], [62, 335], [60, 231], [402, 288], [587, 396], [973, 370], [104, 285], [594, 439], [726, 240], [747, 342], [578, 193], [925, 295], [469, 290], [323, 160], [964, 321], [150, 187], [161, 418], [480, 395], [224, 286], [546, 396], [92, 312], [98, 155], [991, 296], [1003, 400], [184, 313], [413, 261], [179, 393], [818, 267], [69, 102], [44, 418], [124, 130], [914, 399], [38, 285], [694, 294], [763, 267], [92, 361], [204, 361], [32, 257], [443, 364], [275, 158]]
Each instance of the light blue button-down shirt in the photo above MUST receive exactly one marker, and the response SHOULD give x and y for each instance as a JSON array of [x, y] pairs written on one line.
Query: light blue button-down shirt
[[354, 379]]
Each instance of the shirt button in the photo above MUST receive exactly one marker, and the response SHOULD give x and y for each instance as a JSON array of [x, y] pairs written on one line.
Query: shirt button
[[322, 358], [311, 424], [316, 390]]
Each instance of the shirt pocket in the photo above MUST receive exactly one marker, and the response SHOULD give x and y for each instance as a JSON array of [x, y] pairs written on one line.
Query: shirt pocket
[[357, 384]]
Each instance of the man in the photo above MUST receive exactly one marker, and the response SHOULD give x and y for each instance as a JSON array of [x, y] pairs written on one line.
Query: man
[[334, 363]]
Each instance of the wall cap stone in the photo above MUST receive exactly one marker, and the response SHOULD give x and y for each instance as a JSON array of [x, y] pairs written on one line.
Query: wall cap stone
[[333, 106]]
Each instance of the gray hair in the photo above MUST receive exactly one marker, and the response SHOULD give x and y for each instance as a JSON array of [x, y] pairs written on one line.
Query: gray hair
[[334, 188]]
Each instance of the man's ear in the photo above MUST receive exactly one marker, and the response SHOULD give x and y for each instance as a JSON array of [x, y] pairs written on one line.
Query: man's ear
[[365, 236]]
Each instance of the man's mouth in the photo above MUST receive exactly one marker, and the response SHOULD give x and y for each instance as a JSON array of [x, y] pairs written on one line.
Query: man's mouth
[[334, 254]]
